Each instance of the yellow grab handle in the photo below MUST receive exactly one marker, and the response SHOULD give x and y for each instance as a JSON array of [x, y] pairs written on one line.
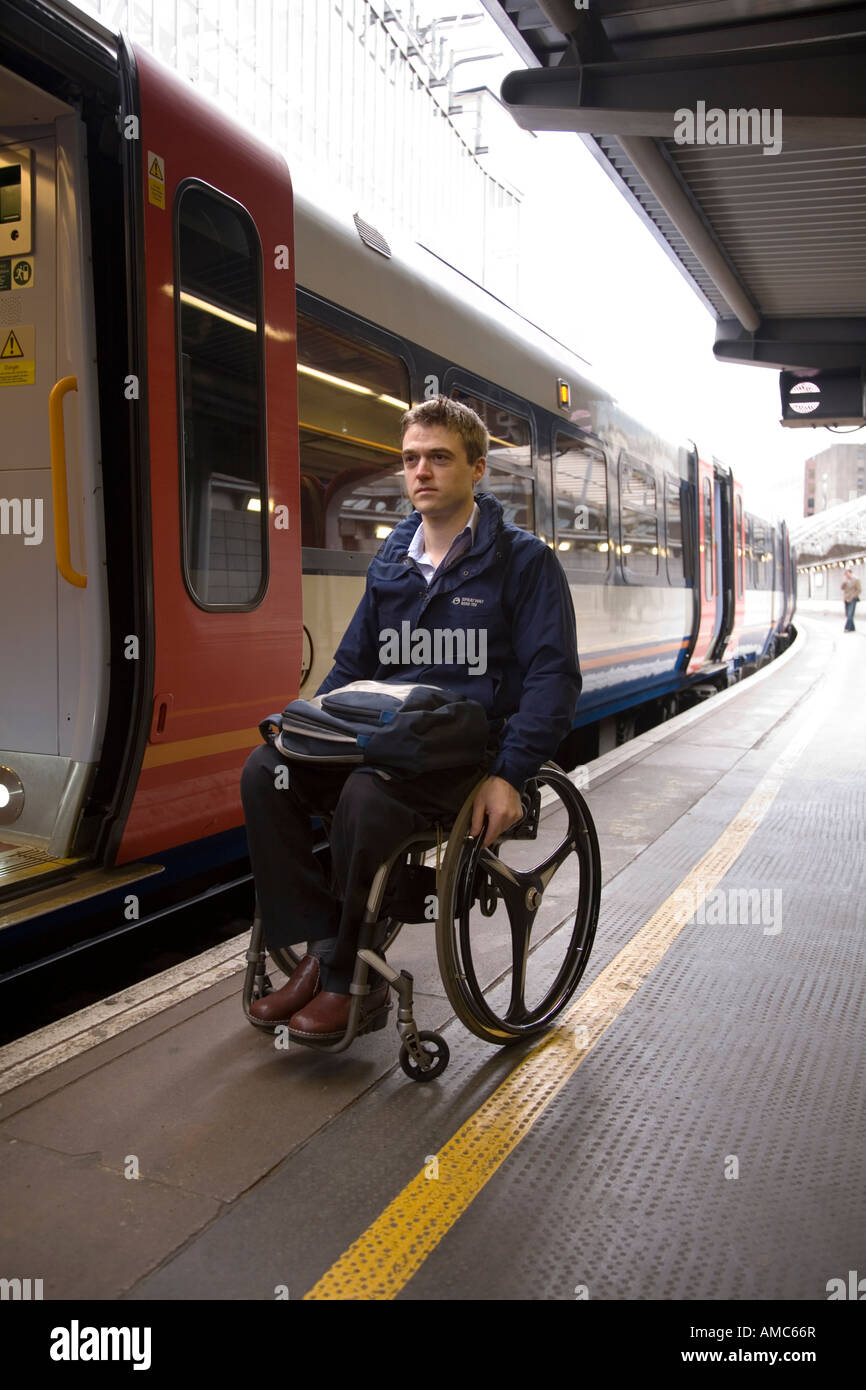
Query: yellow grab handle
[[58, 481]]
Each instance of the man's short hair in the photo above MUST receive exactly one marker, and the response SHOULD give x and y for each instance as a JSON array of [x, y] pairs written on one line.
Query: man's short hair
[[451, 415]]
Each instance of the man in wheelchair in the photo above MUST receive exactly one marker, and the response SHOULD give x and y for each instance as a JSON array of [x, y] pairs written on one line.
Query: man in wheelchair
[[453, 564]]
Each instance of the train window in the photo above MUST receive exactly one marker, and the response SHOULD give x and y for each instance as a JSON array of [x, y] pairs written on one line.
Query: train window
[[351, 396], [762, 555], [221, 400], [739, 548], [580, 492], [674, 531], [708, 538], [639, 525], [509, 459]]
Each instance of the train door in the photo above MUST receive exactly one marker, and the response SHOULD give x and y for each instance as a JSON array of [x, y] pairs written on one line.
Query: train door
[[790, 580], [739, 577], [54, 612], [708, 573], [782, 582], [223, 429], [725, 551]]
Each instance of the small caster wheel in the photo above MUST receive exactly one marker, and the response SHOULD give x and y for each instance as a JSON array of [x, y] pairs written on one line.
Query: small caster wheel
[[437, 1050]]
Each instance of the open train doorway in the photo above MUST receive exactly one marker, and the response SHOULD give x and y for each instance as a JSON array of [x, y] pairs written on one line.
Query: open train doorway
[[54, 612]]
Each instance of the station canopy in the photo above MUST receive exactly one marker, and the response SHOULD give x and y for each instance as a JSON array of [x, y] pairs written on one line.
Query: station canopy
[[773, 242], [839, 531]]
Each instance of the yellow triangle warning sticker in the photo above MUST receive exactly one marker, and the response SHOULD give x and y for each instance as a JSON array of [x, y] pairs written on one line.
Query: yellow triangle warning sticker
[[11, 347], [156, 179]]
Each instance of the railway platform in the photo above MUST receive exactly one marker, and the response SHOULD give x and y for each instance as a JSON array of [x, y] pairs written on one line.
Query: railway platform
[[692, 1129]]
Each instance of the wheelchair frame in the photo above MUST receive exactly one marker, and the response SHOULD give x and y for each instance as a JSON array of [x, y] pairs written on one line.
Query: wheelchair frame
[[467, 874]]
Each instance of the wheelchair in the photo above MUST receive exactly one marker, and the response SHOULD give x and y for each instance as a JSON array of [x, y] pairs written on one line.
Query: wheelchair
[[514, 924]]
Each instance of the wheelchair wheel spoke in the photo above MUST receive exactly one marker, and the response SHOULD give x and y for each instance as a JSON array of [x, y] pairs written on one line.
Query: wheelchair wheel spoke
[[493, 865], [548, 867], [521, 898], [521, 930]]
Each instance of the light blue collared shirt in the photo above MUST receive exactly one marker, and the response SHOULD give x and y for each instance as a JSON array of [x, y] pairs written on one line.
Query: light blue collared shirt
[[458, 546]]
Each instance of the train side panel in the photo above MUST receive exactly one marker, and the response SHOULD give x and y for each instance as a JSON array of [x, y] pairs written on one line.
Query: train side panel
[[224, 478]]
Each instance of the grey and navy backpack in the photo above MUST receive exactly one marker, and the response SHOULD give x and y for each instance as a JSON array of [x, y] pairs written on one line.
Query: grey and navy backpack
[[394, 729]]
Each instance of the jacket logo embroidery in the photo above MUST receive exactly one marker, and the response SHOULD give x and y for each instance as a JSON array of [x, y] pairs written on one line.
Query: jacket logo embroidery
[[467, 602]]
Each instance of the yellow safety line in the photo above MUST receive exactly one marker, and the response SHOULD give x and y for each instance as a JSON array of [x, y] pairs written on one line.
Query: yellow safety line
[[391, 1250]]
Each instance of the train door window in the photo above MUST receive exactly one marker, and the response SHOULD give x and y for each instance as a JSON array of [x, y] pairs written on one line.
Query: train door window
[[674, 531], [351, 396], [762, 556], [221, 394], [639, 526], [580, 494], [739, 548], [707, 492], [509, 475]]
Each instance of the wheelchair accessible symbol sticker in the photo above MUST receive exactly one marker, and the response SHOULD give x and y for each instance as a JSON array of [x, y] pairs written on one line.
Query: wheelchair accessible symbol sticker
[[22, 273]]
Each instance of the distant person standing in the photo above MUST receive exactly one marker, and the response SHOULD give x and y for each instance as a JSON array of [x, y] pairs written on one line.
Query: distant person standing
[[850, 593]]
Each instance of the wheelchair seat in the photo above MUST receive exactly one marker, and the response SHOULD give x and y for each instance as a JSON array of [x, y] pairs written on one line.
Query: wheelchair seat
[[514, 923]]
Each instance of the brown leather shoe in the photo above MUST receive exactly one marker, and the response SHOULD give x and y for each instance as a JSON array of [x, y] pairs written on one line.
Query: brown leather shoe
[[278, 1006], [326, 1017]]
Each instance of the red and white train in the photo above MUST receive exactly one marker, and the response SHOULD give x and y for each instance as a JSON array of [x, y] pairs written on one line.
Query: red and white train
[[200, 387]]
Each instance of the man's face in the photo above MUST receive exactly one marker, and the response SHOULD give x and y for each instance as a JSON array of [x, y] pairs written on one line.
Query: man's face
[[439, 478]]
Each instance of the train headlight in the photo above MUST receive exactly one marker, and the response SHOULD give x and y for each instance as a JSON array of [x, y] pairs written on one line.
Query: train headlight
[[11, 796]]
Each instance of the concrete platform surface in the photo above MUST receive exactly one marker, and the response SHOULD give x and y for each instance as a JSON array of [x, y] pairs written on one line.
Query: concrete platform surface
[[694, 1128]]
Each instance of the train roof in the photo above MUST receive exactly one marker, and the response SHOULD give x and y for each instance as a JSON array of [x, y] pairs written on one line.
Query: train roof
[[415, 294]]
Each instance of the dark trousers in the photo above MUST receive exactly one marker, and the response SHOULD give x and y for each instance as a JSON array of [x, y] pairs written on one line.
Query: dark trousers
[[370, 818], [850, 605]]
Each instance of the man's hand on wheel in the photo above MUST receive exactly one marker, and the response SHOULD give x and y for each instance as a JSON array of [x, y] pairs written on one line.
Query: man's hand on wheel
[[500, 803]]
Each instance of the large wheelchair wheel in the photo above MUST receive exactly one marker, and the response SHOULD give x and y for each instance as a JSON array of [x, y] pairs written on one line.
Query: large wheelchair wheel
[[517, 921]]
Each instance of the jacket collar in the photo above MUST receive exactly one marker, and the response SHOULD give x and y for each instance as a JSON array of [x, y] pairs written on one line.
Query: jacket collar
[[490, 521]]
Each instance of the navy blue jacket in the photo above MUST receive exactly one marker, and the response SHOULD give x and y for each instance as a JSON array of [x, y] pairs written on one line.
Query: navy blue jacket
[[511, 585]]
